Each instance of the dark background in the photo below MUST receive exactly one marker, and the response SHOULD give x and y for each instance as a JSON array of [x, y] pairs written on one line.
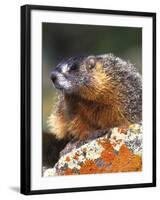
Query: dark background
[[61, 41]]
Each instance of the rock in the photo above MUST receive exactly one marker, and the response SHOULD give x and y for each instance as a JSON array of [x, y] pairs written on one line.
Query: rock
[[121, 152]]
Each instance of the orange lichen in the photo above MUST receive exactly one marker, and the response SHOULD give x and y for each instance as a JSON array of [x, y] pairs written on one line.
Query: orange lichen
[[76, 157], [68, 159], [108, 153], [126, 161], [89, 167], [69, 171]]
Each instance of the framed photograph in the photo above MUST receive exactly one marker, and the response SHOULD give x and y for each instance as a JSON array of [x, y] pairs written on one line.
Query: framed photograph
[[88, 99]]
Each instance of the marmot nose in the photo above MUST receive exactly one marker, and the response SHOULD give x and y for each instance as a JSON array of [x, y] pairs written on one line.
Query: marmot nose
[[53, 76]]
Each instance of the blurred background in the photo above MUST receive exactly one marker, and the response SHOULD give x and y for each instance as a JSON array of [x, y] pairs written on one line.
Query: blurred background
[[66, 40]]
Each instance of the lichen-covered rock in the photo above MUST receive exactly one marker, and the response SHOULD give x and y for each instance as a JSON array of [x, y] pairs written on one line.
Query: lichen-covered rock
[[121, 152]]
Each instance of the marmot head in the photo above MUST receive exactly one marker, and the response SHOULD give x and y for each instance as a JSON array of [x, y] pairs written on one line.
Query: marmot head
[[97, 77], [78, 73]]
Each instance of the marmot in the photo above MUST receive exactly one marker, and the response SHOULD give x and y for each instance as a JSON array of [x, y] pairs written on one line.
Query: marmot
[[97, 93]]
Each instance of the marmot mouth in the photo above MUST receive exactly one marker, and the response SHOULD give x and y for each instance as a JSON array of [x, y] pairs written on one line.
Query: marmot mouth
[[57, 86]]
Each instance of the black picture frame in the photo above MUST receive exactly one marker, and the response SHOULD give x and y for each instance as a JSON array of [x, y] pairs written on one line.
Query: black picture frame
[[26, 98]]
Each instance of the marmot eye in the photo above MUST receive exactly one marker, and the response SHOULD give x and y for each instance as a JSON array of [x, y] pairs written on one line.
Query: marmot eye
[[91, 62], [73, 67]]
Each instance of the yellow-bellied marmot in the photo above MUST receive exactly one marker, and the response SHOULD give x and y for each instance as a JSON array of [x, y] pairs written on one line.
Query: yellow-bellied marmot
[[97, 93]]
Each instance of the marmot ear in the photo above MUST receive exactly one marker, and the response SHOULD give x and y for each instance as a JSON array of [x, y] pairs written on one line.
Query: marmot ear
[[91, 62]]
